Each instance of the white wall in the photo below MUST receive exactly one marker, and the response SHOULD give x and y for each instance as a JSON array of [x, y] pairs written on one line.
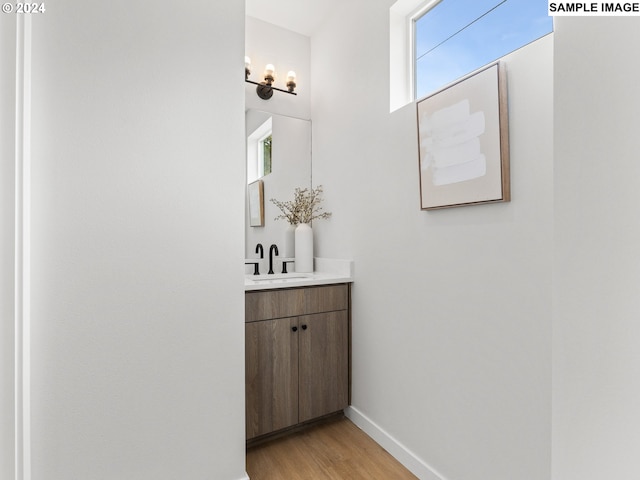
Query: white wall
[[452, 308], [137, 206], [7, 232], [596, 360]]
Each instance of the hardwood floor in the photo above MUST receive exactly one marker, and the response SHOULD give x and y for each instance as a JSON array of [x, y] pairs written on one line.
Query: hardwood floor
[[334, 450]]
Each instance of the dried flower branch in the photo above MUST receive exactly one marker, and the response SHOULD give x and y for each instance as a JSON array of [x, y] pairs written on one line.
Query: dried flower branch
[[304, 207]]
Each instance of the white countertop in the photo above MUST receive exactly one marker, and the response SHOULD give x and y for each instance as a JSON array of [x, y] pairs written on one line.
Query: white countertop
[[326, 271]]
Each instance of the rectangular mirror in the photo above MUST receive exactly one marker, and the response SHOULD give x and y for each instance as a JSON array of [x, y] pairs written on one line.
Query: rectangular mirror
[[279, 155]]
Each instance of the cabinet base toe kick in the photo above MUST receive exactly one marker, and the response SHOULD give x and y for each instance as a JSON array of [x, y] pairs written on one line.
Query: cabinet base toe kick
[[299, 428]]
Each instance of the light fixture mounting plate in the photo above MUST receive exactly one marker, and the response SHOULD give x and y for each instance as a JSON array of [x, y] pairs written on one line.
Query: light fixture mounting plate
[[265, 92]]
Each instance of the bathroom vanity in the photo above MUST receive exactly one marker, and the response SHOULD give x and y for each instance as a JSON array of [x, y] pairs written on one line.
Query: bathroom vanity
[[297, 351]]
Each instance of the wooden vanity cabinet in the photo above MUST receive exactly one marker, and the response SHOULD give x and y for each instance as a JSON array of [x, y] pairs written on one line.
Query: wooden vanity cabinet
[[296, 356]]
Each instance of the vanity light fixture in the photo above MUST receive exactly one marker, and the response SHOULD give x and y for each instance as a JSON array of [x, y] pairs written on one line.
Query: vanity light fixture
[[265, 89]]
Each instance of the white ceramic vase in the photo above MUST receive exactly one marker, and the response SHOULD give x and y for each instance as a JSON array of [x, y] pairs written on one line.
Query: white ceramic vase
[[289, 241], [304, 248]]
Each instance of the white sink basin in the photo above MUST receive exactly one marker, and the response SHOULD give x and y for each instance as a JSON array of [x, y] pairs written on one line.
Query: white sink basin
[[279, 276]]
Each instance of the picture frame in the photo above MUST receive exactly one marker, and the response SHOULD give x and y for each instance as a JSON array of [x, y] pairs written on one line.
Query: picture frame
[[255, 192], [463, 142]]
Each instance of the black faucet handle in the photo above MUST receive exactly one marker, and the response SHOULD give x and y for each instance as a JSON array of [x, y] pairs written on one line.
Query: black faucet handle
[[284, 265], [256, 269], [260, 250]]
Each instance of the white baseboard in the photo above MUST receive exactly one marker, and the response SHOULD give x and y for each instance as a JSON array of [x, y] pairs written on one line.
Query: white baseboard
[[401, 453]]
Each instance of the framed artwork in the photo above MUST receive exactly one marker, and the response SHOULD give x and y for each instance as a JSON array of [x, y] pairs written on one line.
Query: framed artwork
[[463, 139], [256, 203]]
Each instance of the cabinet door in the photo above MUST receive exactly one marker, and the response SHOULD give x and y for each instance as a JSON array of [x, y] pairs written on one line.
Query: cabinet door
[[271, 375], [324, 364]]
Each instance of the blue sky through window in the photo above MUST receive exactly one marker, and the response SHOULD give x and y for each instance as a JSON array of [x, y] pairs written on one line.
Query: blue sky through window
[[442, 55]]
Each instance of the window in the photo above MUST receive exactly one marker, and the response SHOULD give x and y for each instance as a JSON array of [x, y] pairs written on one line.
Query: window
[[265, 149], [455, 37], [259, 149]]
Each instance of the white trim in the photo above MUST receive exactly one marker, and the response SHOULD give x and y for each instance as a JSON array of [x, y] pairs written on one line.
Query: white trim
[[399, 59], [401, 453], [422, 9], [412, 18], [402, 17], [22, 250]]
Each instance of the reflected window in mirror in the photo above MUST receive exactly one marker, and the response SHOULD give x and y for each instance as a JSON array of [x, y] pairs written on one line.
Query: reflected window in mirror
[[265, 148], [259, 153]]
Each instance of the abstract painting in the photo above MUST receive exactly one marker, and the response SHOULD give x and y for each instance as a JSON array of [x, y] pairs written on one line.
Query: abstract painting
[[464, 142]]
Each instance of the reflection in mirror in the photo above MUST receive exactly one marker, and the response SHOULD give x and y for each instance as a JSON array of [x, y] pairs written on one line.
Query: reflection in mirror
[[256, 203], [279, 154], [259, 145]]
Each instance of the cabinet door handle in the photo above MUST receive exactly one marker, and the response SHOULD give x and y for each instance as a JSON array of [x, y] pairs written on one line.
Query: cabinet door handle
[[304, 327], [294, 329]]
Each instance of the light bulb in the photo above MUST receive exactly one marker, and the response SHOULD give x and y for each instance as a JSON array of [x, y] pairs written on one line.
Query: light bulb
[[291, 81], [269, 70]]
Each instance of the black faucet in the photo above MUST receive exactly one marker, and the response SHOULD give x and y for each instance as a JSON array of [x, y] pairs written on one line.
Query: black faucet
[[273, 248], [260, 250]]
